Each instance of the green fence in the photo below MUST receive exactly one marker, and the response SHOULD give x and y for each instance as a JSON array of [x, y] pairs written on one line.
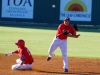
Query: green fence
[[41, 11]]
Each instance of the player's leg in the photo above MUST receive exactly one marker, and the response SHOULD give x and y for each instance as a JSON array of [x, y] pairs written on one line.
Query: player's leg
[[22, 67], [18, 61], [63, 48], [25, 66], [53, 47]]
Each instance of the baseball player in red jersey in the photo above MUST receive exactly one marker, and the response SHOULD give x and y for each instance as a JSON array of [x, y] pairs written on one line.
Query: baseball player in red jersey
[[64, 31], [26, 60]]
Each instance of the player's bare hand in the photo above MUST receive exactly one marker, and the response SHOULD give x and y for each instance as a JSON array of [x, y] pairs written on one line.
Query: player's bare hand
[[76, 36], [5, 54]]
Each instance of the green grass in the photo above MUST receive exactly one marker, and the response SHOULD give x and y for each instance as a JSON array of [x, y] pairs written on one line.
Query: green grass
[[38, 41]]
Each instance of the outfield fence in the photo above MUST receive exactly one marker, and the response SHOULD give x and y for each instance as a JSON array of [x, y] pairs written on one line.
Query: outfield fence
[[41, 12]]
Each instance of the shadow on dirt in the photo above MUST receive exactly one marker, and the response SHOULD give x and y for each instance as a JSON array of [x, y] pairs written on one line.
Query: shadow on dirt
[[69, 73]]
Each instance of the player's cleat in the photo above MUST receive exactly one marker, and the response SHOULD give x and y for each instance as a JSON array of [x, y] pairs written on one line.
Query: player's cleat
[[65, 70], [48, 58]]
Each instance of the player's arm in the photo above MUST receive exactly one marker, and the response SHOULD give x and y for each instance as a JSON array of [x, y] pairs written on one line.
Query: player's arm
[[74, 35], [10, 53]]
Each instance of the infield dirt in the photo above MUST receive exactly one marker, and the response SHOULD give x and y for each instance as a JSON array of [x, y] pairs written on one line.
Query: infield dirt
[[77, 66]]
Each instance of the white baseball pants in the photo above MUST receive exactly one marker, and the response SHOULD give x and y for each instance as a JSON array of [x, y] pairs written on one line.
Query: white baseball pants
[[24, 66], [63, 47]]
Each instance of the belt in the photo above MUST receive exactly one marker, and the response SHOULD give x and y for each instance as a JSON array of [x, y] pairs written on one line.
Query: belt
[[57, 37], [30, 63], [60, 38]]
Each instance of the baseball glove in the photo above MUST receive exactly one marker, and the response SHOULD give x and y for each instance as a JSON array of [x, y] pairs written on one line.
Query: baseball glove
[[75, 27]]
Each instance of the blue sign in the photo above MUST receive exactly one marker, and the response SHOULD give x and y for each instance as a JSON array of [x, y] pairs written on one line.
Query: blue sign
[[17, 9], [76, 10]]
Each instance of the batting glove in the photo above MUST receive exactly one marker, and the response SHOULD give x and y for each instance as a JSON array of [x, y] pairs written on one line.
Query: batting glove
[[8, 54]]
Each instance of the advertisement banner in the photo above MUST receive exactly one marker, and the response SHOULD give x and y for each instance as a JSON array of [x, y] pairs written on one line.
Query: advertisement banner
[[17, 9], [76, 10]]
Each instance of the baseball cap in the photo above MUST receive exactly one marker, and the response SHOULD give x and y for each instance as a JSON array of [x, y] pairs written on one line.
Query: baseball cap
[[67, 19]]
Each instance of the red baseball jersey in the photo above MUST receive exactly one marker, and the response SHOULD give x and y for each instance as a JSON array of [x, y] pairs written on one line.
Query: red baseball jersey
[[25, 55], [62, 28]]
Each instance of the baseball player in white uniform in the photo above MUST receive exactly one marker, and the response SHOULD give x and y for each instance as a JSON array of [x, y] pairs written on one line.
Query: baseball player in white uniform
[[64, 31]]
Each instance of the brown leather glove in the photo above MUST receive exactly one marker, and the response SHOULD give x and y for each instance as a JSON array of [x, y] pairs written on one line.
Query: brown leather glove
[[75, 27]]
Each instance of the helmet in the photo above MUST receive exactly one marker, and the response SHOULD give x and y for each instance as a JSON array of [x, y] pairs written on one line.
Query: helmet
[[20, 42]]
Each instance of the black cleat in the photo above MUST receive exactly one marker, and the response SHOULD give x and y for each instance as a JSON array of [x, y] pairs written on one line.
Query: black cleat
[[65, 70], [48, 58]]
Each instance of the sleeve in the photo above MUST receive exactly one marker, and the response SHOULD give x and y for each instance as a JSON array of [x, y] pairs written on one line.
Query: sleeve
[[59, 30], [16, 51], [23, 57]]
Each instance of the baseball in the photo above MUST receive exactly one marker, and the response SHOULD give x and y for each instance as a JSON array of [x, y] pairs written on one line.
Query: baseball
[[53, 6]]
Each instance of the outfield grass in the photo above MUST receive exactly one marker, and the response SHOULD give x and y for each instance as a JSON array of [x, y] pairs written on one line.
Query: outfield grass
[[38, 41]]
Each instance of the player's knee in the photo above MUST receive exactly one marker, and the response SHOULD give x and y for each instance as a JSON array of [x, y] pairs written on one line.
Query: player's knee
[[13, 67], [64, 55], [18, 61]]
